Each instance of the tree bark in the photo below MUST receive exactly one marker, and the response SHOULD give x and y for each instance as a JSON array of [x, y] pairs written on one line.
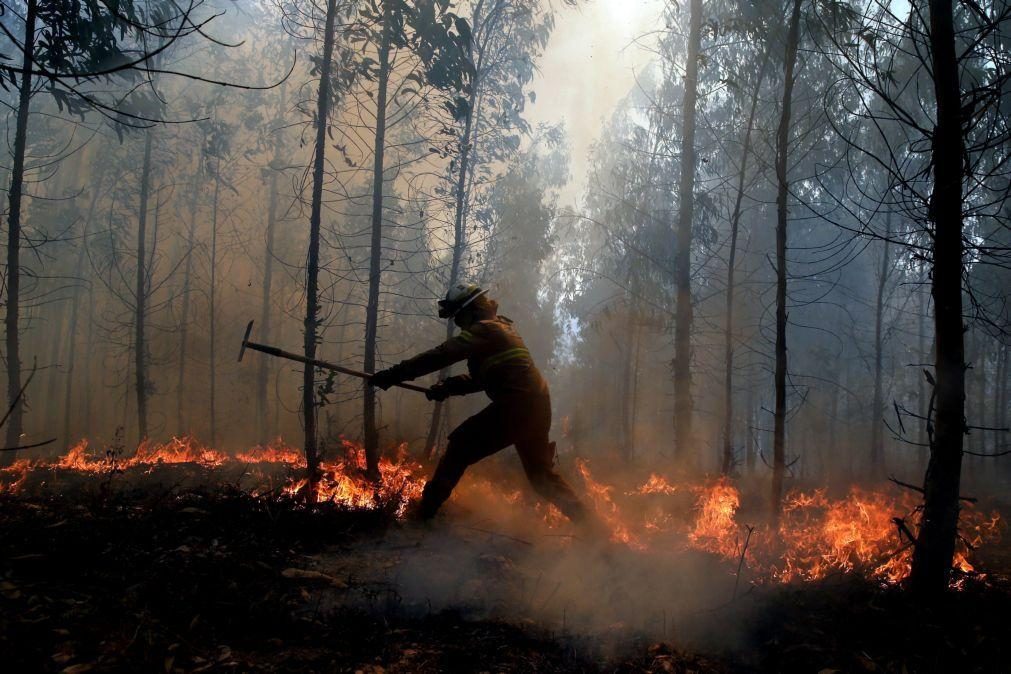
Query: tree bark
[[312, 258], [184, 319], [375, 258], [213, 316], [935, 544], [735, 221], [923, 439], [683, 260], [75, 307], [877, 457], [140, 295], [782, 213], [16, 419], [263, 373], [459, 245]]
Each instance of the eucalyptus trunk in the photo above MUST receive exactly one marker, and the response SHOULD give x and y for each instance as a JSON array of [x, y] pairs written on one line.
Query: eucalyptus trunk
[[16, 418], [263, 373], [683, 260], [877, 457], [212, 313], [935, 545], [75, 309], [140, 295], [782, 213], [184, 319], [375, 259], [312, 258], [728, 330], [459, 245]]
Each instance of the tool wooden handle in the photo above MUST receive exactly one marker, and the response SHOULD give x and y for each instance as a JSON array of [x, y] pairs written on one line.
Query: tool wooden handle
[[279, 353]]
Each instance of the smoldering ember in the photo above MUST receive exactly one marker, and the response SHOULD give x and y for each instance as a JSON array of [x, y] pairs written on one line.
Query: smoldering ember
[[505, 336]]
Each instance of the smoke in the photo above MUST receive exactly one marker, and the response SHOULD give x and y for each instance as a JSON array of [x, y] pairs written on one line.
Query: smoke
[[603, 41], [490, 555]]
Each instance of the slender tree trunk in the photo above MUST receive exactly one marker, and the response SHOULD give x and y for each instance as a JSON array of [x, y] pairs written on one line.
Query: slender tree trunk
[[459, 245], [212, 305], [182, 427], [312, 258], [68, 391], [263, 374], [683, 261], [782, 213], [140, 298], [935, 545], [877, 458], [735, 221], [922, 380], [15, 420], [375, 258], [751, 456]]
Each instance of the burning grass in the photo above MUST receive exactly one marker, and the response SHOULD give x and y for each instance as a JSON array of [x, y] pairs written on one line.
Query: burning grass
[[818, 535]]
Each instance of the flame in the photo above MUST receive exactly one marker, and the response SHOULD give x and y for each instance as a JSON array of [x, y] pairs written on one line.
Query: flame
[[716, 529], [607, 509], [656, 484], [816, 535]]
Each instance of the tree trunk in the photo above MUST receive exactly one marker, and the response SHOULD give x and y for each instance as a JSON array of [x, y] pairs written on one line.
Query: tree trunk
[[375, 258], [935, 545], [683, 261], [15, 420], [140, 296], [782, 194], [877, 457], [263, 374], [923, 440], [184, 319], [459, 245], [312, 258], [75, 307], [735, 221], [213, 316]]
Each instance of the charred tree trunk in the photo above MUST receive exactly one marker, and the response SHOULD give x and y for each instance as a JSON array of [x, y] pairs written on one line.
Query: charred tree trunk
[[782, 213], [877, 457], [935, 544], [312, 258], [16, 418], [140, 299], [735, 221], [683, 261], [375, 258]]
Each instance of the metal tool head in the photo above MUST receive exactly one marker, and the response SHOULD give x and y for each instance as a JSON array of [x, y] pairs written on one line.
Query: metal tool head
[[245, 340]]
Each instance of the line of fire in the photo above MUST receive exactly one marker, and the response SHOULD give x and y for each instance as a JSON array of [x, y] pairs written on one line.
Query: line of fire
[[505, 336]]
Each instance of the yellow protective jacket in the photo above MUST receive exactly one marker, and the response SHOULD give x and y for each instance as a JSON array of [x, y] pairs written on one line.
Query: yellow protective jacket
[[498, 362]]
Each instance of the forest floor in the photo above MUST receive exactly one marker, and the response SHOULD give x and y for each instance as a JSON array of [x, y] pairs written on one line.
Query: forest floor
[[197, 579]]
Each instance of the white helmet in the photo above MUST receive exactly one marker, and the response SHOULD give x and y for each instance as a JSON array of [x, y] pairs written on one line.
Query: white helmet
[[459, 297]]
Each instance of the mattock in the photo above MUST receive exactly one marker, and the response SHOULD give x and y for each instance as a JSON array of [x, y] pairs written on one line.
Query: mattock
[[279, 353]]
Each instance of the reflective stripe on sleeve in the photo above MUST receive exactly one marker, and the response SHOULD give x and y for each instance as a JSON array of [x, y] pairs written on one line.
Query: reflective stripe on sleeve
[[465, 336], [504, 356]]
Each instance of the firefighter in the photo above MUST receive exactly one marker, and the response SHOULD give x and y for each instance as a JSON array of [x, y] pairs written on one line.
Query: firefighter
[[520, 411]]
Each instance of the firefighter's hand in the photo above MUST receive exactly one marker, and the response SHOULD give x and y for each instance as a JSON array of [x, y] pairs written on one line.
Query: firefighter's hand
[[437, 393], [384, 379]]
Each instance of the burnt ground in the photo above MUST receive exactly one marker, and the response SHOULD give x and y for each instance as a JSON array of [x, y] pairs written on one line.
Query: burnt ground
[[186, 579]]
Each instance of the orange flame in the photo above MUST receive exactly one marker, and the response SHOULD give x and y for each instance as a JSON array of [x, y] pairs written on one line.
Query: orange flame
[[816, 535]]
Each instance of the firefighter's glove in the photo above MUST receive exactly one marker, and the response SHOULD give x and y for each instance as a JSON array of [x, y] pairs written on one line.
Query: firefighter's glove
[[438, 392], [384, 379]]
